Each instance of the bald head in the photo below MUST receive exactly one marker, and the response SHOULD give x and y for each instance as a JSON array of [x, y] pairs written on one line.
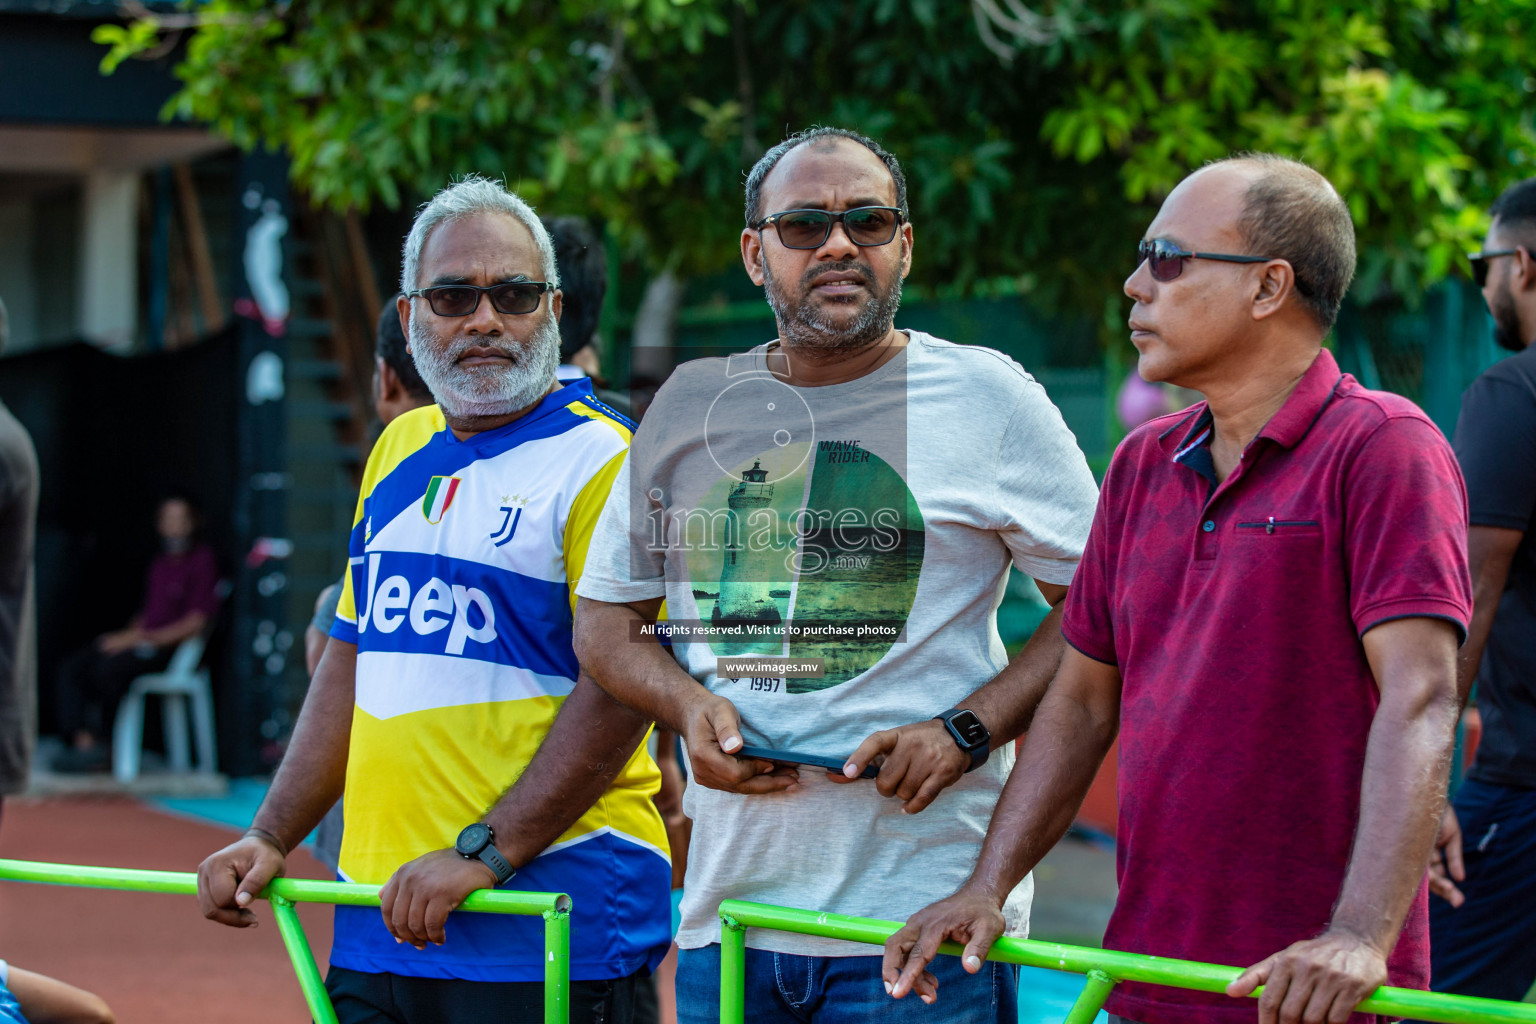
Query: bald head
[[1291, 212]]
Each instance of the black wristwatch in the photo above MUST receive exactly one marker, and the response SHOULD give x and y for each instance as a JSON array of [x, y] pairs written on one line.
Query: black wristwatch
[[969, 734], [478, 842]]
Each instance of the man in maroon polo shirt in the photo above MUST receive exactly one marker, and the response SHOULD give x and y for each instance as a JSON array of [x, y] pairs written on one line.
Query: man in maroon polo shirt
[[1268, 612]]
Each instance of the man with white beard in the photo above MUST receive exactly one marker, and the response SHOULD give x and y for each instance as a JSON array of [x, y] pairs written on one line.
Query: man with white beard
[[449, 700]]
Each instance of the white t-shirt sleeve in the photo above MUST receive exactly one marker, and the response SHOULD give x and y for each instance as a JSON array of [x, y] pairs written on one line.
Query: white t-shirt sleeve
[[5, 974], [1044, 494], [623, 564]]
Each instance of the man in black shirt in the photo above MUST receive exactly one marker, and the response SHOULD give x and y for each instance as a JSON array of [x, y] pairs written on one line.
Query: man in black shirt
[[1483, 926]]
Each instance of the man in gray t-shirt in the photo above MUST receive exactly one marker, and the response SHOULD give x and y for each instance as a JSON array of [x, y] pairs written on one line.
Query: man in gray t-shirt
[[840, 506], [18, 655]]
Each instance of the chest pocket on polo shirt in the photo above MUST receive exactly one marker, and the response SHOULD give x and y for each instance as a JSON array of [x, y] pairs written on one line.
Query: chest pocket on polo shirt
[[1281, 528], [1287, 551]]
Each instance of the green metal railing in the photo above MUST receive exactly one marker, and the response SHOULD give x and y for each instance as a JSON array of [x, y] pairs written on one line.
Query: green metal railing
[[283, 893], [1104, 968]]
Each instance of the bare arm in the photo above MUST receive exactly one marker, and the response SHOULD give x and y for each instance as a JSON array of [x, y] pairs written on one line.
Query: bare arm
[[1006, 704], [639, 674], [1407, 760], [1490, 552], [314, 769], [308, 782], [314, 647], [920, 760], [45, 1000], [669, 802], [590, 741], [1072, 731], [189, 625]]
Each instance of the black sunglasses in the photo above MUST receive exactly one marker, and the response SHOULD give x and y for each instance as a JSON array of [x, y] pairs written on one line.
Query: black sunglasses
[[1480, 260], [464, 299], [809, 229], [1166, 260]]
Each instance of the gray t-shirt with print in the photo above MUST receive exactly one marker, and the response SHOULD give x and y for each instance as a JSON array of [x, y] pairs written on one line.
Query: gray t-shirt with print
[[866, 527]]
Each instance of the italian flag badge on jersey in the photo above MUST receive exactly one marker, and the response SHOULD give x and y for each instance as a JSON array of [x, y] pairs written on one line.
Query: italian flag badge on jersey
[[440, 492]]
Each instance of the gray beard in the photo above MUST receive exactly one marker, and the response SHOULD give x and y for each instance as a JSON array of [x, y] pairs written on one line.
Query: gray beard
[[466, 393], [803, 326]]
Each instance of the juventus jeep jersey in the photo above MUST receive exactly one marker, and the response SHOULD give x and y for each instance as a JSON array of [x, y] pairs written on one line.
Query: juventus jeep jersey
[[463, 563]]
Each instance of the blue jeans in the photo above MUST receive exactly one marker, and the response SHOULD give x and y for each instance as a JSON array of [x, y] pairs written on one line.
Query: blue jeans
[[784, 988], [1487, 946]]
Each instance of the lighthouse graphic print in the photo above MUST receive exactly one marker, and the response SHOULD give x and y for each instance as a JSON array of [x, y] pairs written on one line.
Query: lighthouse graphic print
[[825, 534]]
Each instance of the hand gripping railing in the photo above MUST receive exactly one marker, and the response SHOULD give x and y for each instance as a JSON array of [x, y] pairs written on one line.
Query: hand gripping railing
[[283, 893], [1104, 968]]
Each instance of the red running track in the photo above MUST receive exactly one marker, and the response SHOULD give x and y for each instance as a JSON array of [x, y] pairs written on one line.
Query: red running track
[[152, 957]]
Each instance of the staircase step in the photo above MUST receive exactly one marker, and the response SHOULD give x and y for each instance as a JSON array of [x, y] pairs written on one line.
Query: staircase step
[[320, 410], [314, 369], [345, 454]]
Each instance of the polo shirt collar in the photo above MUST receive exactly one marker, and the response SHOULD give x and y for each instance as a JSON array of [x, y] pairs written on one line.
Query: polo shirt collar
[[1305, 404], [1198, 424]]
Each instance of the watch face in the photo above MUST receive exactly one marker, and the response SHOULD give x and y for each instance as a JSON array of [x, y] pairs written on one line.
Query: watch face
[[473, 839], [970, 728]]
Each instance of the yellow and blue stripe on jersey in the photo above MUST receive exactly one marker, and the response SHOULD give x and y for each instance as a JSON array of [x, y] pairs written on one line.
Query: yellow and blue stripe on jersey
[[464, 559]]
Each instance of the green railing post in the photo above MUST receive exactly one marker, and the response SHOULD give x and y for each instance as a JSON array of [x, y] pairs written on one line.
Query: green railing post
[[1091, 1000], [557, 965], [283, 893], [733, 970], [1113, 966], [292, 930]]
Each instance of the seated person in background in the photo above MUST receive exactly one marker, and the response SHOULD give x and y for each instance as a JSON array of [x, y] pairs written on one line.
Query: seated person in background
[[179, 601], [27, 998]]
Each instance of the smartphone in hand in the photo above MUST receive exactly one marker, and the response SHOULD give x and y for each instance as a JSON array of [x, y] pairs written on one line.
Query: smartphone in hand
[[831, 764]]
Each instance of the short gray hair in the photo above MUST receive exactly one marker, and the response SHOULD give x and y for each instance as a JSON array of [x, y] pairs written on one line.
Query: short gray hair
[[1291, 212], [467, 197]]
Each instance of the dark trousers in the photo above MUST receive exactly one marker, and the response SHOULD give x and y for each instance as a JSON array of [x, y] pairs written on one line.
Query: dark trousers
[[92, 684], [1487, 946], [362, 998]]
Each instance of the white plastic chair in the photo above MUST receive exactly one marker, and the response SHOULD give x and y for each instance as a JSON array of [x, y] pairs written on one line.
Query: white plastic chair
[[182, 683]]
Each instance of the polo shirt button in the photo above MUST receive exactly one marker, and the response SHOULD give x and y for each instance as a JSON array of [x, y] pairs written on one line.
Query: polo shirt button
[[1209, 526]]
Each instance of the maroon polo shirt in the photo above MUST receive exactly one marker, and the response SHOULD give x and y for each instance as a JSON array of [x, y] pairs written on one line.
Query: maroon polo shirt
[[178, 585], [1234, 614]]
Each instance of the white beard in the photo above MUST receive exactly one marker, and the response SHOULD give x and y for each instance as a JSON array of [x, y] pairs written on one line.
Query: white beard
[[465, 392]]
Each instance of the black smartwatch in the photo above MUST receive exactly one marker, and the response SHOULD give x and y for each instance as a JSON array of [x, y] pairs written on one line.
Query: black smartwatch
[[969, 734], [478, 842]]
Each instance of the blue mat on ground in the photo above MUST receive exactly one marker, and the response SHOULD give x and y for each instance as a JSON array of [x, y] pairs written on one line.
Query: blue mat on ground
[[1046, 996]]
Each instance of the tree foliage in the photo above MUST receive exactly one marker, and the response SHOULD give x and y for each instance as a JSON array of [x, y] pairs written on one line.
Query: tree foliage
[[1041, 170]]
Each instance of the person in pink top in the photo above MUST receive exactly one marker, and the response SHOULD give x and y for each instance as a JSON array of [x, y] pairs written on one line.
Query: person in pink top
[[180, 597], [1268, 613]]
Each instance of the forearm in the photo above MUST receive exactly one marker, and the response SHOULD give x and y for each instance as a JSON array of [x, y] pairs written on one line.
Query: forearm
[[1490, 551], [591, 740], [313, 770], [1403, 786], [1060, 757], [188, 625], [1006, 705], [47, 1000], [637, 673]]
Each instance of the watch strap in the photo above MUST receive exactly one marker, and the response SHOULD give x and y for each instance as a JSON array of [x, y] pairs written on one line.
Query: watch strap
[[492, 858]]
